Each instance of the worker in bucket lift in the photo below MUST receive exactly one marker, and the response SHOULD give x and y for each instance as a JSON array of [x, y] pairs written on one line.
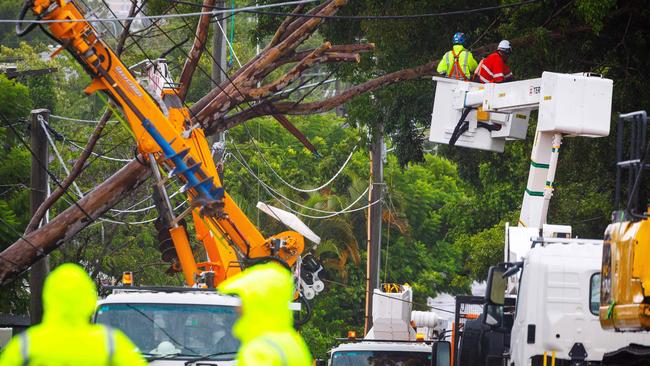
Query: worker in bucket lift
[[66, 336], [266, 324], [459, 63], [493, 69]]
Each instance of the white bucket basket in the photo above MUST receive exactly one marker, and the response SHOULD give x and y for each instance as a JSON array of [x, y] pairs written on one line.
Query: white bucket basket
[[573, 104]]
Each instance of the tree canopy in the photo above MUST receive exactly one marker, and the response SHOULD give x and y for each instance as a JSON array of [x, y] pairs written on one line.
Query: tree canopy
[[445, 209]]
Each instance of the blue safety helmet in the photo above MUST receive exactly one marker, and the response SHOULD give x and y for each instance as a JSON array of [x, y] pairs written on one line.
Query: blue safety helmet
[[459, 38]]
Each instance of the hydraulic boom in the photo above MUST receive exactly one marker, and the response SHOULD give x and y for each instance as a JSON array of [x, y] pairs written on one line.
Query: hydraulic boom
[[175, 145]]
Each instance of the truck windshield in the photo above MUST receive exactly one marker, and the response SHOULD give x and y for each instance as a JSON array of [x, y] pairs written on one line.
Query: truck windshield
[[174, 330], [380, 358]]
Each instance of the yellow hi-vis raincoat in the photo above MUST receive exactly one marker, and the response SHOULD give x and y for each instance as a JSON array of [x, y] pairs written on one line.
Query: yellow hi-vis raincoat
[[458, 63], [266, 324], [66, 337]]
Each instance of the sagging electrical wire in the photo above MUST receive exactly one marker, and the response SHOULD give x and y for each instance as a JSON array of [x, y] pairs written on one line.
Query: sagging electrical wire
[[370, 17], [79, 192], [154, 17], [63, 118], [309, 190], [272, 192], [43, 166]]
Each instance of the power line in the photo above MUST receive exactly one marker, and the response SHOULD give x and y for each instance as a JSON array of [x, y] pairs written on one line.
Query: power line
[[372, 17], [98, 155], [309, 190], [270, 190], [251, 136], [39, 251], [266, 185], [44, 167], [78, 120], [153, 17], [41, 121], [79, 192], [269, 165]]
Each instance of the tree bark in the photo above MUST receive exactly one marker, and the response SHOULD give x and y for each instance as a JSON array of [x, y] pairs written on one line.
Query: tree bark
[[195, 53], [31, 247], [226, 97]]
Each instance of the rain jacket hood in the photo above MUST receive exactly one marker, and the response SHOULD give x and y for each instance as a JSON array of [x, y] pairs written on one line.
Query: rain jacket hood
[[69, 296], [265, 291]]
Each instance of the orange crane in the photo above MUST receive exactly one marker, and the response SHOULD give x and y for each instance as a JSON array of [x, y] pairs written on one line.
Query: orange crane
[[173, 144]]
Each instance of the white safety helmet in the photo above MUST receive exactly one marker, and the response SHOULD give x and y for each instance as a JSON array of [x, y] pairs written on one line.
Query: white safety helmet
[[504, 46]]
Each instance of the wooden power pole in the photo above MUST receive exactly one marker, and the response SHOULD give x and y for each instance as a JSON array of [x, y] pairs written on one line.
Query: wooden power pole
[[374, 220], [219, 67], [37, 195], [219, 47]]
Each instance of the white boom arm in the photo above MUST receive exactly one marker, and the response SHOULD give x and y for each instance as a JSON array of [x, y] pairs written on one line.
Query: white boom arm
[[569, 104]]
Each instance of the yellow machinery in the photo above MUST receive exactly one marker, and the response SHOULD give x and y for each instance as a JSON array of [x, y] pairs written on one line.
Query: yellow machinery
[[174, 145], [625, 277]]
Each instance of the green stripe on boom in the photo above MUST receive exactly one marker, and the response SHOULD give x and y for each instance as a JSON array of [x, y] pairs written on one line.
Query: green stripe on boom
[[538, 165], [534, 193]]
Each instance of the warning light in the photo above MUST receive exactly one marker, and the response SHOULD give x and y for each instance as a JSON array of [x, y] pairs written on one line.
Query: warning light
[[419, 337], [352, 334], [127, 278]]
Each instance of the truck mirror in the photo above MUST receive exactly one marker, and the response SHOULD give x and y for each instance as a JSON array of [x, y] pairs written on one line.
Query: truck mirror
[[496, 286], [441, 354], [320, 363], [492, 315]]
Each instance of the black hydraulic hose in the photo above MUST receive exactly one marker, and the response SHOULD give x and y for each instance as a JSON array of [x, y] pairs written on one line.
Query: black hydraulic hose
[[300, 322], [461, 127], [20, 32]]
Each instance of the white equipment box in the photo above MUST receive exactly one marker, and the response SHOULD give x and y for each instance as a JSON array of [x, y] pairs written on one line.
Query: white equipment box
[[575, 104]]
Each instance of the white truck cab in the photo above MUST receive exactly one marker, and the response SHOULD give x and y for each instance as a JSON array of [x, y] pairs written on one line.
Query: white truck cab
[[558, 298], [381, 353], [174, 326], [393, 340]]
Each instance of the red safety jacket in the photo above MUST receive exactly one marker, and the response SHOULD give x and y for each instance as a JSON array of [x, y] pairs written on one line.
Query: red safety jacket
[[492, 69]]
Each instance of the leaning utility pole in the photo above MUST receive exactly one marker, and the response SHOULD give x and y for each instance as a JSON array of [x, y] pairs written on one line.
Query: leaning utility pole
[[374, 219], [219, 66], [37, 194]]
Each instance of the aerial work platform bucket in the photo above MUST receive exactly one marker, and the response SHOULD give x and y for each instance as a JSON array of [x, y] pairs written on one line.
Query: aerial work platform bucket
[[491, 114]]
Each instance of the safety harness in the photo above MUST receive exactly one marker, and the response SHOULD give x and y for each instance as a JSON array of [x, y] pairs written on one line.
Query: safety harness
[[456, 71]]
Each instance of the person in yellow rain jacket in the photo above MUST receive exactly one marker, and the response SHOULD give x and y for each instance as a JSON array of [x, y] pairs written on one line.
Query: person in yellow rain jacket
[[66, 337], [458, 63], [265, 328]]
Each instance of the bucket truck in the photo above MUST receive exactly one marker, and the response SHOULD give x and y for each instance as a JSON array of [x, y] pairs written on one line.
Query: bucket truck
[[399, 335], [174, 146], [557, 288], [625, 294]]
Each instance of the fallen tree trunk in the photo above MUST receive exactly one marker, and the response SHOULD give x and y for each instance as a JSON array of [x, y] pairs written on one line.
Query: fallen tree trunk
[[35, 245]]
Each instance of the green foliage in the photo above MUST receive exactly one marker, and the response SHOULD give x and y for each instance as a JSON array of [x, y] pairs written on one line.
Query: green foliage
[[14, 178], [15, 97], [483, 250], [444, 213], [594, 12]]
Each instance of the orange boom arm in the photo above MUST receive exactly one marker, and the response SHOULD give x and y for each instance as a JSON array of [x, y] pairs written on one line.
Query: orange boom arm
[[172, 143]]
